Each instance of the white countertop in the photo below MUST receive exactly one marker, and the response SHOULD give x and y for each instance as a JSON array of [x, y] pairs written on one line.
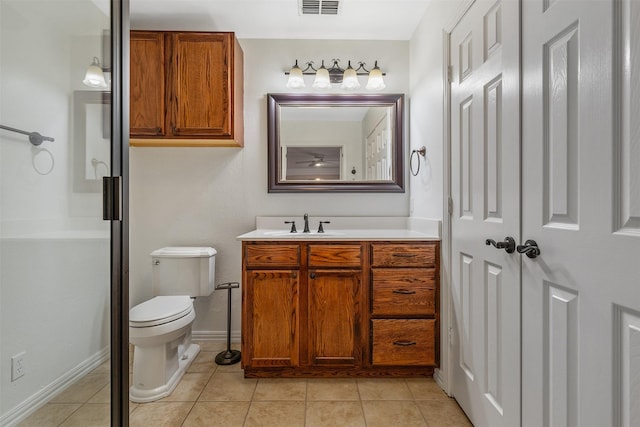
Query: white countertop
[[346, 228]]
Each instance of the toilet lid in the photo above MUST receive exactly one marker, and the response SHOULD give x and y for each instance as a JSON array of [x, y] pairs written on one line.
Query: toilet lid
[[160, 310]]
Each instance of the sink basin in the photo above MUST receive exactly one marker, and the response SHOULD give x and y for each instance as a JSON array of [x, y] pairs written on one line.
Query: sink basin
[[314, 234]]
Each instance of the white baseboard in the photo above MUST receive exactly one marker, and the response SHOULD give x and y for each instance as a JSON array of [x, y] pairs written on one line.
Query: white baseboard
[[37, 400], [215, 336]]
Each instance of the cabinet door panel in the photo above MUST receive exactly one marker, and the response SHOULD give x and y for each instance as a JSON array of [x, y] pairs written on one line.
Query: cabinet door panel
[[272, 255], [404, 255], [403, 292], [335, 255], [404, 342], [202, 84], [334, 317], [148, 73], [271, 302]]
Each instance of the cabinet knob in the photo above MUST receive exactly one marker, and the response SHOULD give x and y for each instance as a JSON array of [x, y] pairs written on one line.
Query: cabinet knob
[[294, 275], [312, 275]]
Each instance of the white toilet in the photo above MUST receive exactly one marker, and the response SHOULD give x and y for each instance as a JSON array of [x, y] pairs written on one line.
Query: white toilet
[[160, 329]]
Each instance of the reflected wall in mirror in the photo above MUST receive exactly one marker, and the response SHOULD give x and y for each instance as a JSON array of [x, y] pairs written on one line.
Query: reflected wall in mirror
[[91, 140], [335, 143]]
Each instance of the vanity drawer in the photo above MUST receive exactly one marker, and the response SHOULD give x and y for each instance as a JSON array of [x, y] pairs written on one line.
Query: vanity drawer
[[403, 255], [404, 342], [403, 292], [272, 255], [335, 255]]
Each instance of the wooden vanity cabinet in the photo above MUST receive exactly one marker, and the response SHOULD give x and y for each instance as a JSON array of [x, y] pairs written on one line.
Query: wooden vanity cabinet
[[339, 308], [334, 289], [271, 306], [186, 89]]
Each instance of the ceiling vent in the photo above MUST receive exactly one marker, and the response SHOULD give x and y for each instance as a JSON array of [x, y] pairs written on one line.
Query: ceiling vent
[[319, 7]]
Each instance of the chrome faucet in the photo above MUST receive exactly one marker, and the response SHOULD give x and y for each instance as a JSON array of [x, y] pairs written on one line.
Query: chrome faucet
[[306, 223]]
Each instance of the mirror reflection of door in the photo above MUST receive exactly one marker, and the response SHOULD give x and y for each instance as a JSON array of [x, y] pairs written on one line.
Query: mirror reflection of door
[[378, 149], [312, 163]]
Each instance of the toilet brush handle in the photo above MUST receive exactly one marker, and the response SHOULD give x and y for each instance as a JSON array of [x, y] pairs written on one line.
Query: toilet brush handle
[[227, 285]]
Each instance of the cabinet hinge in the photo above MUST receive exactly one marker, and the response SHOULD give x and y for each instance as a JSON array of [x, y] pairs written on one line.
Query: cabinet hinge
[[451, 336], [450, 73], [450, 205]]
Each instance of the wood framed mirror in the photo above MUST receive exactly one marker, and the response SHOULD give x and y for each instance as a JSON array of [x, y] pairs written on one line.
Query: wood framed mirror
[[335, 143]]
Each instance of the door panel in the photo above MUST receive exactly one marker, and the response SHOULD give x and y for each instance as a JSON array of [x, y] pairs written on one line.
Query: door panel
[[581, 199], [485, 155]]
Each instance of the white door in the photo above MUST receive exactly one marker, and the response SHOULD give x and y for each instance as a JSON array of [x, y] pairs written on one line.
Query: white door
[[581, 204], [485, 191]]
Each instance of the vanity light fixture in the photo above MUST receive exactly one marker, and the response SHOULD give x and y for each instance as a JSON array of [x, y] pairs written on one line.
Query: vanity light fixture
[[335, 74], [95, 76]]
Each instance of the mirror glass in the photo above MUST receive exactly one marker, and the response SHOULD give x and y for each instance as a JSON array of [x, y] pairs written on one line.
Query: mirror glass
[[91, 140], [332, 143]]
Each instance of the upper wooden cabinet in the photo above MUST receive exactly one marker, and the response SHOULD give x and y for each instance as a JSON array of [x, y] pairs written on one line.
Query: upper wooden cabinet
[[186, 89]]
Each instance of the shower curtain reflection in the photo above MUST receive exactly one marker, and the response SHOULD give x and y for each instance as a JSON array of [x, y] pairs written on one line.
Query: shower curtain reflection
[[54, 246]]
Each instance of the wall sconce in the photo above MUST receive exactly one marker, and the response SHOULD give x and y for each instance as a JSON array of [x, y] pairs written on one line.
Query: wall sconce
[[95, 76], [325, 76]]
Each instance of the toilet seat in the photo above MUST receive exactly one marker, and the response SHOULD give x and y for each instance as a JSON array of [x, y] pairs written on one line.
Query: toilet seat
[[160, 310]]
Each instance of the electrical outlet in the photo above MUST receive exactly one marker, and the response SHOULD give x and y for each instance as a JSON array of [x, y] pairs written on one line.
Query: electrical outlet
[[17, 366]]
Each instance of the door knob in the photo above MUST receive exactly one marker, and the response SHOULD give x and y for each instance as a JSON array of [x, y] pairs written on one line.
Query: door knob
[[509, 244], [530, 249]]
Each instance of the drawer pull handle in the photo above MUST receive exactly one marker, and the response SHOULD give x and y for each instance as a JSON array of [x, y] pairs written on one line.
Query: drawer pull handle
[[404, 343], [403, 291], [404, 255]]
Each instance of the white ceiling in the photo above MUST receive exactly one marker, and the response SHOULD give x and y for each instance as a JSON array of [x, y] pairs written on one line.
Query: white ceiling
[[280, 19]]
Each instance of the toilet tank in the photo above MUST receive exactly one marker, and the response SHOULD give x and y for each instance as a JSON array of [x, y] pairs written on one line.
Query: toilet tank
[[183, 271]]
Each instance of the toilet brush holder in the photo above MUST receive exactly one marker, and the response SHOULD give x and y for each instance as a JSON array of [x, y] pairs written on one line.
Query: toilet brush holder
[[228, 357]]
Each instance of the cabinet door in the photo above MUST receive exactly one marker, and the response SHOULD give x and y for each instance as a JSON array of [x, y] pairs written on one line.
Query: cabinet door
[[270, 325], [148, 73], [202, 84], [334, 317]]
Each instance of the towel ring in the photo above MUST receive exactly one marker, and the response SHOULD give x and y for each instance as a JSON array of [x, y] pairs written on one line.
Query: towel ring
[[35, 151], [422, 152]]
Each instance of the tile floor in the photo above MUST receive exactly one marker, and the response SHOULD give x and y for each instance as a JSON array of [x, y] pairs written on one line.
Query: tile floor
[[211, 395]]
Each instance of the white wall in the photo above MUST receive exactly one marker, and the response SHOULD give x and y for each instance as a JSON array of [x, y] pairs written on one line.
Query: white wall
[[208, 196], [426, 112]]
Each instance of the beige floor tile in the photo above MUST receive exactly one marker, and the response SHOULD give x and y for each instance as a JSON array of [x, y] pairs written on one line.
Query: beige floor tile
[[280, 389], [443, 413], [228, 387], [160, 414], [332, 389], [425, 389], [132, 406], [332, 414], [204, 363], [236, 367], [276, 414], [384, 389], [393, 413], [90, 414], [51, 414], [227, 414], [83, 389], [102, 396], [189, 388]]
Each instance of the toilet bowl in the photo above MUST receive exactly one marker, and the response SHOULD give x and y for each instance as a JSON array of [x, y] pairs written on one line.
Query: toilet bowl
[[160, 328]]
